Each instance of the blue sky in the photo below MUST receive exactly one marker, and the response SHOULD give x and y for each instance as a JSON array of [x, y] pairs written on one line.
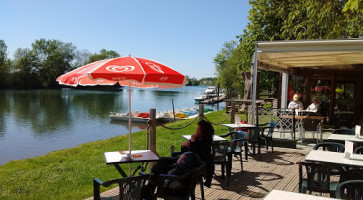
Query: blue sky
[[185, 35]]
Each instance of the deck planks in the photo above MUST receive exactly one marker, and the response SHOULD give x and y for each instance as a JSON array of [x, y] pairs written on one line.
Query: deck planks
[[275, 170]]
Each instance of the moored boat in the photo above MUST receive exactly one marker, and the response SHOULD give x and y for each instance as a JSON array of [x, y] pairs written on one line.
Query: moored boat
[[209, 93], [135, 117]]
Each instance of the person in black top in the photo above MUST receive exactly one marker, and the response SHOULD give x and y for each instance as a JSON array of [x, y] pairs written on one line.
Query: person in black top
[[200, 144]]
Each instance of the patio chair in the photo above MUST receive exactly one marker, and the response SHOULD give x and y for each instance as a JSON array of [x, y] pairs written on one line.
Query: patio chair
[[219, 152], [317, 178], [312, 126], [238, 140], [334, 147], [181, 187], [330, 146], [129, 187], [268, 136], [352, 189], [255, 138], [358, 150], [344, 131]]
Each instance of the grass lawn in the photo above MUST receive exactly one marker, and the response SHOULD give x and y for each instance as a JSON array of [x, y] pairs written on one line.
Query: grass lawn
[[68, 173]]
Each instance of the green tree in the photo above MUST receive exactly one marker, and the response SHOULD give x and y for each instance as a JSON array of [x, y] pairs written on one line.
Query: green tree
[[271, 20], [54, 58], [192, 81], [26, 69], [354, 5], [104, 54], [82, 57], [208, 81], [4, 65], [227, 72]]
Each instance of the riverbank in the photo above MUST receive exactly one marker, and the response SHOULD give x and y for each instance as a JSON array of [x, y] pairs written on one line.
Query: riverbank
[[68, 173]]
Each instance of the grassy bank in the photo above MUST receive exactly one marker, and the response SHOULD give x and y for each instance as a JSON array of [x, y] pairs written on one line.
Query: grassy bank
[[68, 173]]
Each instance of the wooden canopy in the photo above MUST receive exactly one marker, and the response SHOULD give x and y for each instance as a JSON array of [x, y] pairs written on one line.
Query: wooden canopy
[[297, 55], [285, 56]]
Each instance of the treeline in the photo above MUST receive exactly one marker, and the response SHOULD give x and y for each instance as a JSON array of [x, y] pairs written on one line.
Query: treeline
[[39, 66], [271, 20], [202, 81]]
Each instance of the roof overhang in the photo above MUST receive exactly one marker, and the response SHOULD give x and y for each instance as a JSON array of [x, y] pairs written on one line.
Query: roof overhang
[[286, 56]]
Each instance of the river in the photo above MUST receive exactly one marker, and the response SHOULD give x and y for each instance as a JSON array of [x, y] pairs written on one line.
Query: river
[[36, 122]]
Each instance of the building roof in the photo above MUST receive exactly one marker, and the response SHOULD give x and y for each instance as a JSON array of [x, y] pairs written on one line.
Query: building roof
[[285, 56]]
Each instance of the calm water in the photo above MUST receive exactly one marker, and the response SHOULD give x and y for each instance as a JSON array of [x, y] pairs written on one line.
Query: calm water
[[36, 122]]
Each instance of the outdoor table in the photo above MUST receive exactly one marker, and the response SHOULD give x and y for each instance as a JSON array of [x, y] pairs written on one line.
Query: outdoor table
[[216, 138], [335, 158], [341, 137], [120, 157], [285, 195], [234, 126]]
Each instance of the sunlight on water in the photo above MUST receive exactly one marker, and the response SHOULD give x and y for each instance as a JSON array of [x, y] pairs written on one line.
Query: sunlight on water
[[36, 122]]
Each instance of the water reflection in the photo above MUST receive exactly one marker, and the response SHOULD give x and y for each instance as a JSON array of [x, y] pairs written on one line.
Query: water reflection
[[35, 122]]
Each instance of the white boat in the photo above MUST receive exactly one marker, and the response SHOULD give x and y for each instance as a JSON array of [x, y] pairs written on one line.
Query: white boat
[[143, 117], [210, 92], [136, 117]]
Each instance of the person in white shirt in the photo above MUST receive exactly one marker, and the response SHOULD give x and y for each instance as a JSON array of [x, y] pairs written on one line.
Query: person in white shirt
[[295, 104], [315, 106]]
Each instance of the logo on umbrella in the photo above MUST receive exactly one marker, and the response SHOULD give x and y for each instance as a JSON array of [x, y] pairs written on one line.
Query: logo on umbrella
[[155, 67], [164, 78], [116, 68]]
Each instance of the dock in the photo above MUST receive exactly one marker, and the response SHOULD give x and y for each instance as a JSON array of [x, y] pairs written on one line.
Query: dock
[[212, 100]]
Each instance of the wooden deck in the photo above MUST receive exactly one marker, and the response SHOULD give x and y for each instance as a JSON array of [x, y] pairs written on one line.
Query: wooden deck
[[277, 170]]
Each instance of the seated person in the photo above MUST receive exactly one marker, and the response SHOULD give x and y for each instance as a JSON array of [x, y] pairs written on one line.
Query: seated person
[[295, 104], [315, 106], [200, 144]]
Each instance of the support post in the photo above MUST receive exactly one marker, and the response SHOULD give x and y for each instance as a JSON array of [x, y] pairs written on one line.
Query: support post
[[293, 124], [284, 89], [233, 113], [201, 112], [152, 133], [254, 85], [153, 130]]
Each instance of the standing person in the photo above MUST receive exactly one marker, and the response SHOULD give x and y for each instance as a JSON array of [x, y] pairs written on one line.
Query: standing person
[[200, 144], [315, 106], [295, 104]]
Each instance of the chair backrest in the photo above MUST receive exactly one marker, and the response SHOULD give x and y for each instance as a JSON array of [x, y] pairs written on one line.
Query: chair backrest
[[344, 131], [311, 124], [129, 187], [318, 176], [352, 189], [238, 137], [271, 128], [330, 146], [219, 151], [180, 186], [358, 150], [255, 134]]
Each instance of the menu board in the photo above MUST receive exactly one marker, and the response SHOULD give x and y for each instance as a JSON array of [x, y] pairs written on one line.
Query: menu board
[[348, 149], [358, 133]]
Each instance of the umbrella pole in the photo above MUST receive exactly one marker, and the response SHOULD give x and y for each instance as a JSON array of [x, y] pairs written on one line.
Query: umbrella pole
[[130, 126], [130, 123]]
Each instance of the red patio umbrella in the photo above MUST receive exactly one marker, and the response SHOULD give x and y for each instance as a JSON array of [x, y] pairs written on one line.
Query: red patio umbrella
[[127, 71]]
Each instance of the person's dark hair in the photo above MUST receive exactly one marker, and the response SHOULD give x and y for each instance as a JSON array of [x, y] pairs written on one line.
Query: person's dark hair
[[206, 130]]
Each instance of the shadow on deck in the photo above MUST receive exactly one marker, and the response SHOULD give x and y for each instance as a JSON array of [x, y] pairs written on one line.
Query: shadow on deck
[[275, 170]]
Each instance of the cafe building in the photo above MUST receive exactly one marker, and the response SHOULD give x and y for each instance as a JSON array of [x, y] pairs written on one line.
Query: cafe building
[[329, 70]]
